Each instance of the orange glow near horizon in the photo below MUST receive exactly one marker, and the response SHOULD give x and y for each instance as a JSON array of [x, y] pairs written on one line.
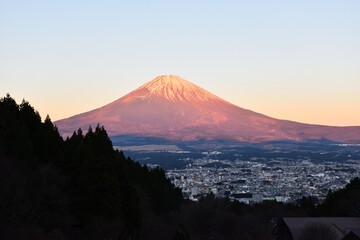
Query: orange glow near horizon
[[332, 111]]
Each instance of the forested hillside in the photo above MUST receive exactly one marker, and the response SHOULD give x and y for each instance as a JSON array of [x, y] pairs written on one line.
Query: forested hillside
[[48, 183]]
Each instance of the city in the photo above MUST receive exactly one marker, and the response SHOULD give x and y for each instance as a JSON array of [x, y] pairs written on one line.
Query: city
[[250, 173], [254, 181]]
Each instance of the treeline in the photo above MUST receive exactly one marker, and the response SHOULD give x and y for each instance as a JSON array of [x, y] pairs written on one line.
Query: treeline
[[81, 188], [80, 185]]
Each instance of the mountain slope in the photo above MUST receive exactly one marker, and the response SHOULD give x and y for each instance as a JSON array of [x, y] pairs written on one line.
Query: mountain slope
[[173, 108]]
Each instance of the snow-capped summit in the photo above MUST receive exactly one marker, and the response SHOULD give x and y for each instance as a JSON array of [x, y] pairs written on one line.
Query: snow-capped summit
[[171, 88]]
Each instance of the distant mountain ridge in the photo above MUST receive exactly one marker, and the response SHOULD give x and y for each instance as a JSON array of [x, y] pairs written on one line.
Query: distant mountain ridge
[[173, 108]]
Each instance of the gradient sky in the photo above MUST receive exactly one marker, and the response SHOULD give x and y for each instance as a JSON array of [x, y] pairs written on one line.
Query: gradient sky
[[295, 60]]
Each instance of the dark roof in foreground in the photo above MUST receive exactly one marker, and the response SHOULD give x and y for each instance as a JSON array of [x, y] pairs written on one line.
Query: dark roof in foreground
[[340, 226]]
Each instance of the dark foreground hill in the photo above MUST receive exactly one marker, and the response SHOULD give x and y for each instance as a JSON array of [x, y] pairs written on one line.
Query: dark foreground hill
[[82, 188], [76, 184]]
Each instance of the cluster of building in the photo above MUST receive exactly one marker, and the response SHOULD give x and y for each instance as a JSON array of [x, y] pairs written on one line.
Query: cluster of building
[[260, 179]]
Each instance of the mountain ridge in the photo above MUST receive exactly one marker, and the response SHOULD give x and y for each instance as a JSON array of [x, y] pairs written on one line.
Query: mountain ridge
[[176, 109]]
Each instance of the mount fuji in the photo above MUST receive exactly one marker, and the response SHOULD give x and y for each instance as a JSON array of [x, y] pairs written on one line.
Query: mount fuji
[[172, 108]]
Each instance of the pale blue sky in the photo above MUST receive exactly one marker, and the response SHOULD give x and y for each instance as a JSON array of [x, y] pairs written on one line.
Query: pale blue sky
[[296, 60]]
